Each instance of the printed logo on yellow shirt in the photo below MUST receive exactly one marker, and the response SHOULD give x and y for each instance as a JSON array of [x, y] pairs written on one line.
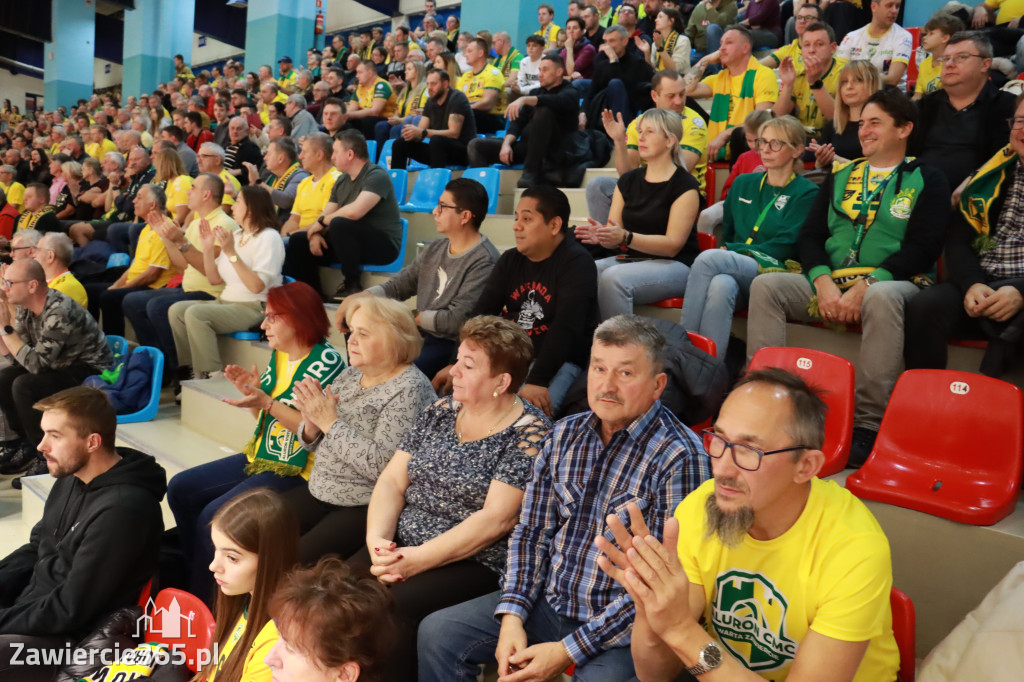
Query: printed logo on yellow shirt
[[750, 620]]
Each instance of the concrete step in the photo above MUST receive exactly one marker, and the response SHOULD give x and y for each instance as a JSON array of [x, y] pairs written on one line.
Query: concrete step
[[577, 200], [204, 411], [592, 173], [243, 353]]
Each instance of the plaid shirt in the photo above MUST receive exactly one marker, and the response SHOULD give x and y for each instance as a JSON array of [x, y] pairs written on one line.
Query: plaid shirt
[[576, 482], [1005, 260]]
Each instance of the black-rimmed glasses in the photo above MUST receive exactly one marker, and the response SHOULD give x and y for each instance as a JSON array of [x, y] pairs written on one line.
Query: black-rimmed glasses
[[746, 457]]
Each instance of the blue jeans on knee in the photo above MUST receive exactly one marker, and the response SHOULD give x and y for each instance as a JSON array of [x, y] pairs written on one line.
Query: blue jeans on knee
[[620, 285], [599, 192], [195, 495], [453, 642], [560, 384], [713, 33], [118, 237], [718, 279], [436, 354], [617, 99]]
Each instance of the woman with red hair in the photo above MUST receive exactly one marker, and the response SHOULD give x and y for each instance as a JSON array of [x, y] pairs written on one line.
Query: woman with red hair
[[296, 326]]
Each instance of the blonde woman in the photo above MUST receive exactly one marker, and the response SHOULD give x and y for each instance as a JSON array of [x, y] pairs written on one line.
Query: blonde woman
[[170, 170], [649, 240], [761, 224], [446, 62], [410, 103], [67, 198], [858, 80]]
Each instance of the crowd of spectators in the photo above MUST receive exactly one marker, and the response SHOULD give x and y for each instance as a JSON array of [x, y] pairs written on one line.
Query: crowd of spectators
[[228, 190]]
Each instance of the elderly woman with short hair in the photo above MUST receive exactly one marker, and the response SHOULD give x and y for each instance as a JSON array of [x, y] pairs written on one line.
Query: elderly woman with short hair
[[438, 524], [355, 424]]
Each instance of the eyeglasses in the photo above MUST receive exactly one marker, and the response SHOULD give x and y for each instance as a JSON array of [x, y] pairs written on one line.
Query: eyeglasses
[[1015, 122], [957, 58], [21, 248], [274, 317], [808, 17], [8, 283], [774, 145], [746, 457], [441, 207]]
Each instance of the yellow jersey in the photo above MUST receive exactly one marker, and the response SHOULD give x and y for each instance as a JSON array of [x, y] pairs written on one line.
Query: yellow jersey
[[68, 284], [151, 252], [474, 85], [807, 110], [379, 89], [695, 139], [312, 195], [928, 76]]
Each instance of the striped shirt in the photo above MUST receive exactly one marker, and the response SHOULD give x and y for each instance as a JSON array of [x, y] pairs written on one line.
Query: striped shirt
[[576, 482]]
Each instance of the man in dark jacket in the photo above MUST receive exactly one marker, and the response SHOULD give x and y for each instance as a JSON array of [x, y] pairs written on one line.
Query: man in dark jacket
[[97, 543], [623, 77], [962, 125], [538, 124]]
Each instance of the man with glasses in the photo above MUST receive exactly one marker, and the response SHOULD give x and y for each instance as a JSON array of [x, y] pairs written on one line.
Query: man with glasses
[[963, 124], [556, 607], [985, 293], [52, 343], [869, 243], [448, 123], [788, 572], [447, 277]]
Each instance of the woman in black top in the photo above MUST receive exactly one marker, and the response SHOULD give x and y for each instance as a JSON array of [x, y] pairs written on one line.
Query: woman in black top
[[39, 168], [840, 141], [649, 241]]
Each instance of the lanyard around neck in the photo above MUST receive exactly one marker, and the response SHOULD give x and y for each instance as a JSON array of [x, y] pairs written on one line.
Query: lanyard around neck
[[767, 206]]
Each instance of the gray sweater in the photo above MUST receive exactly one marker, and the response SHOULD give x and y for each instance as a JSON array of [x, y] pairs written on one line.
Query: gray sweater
[[446, 286]]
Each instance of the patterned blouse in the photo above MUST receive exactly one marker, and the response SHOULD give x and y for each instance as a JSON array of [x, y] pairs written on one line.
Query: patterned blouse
[[371, 423], [449, 481]]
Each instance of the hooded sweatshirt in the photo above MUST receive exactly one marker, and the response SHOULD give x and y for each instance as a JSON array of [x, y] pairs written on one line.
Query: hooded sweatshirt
[[91, 553]]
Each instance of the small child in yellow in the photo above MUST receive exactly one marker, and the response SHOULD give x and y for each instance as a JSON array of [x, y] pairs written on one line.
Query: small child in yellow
[[937, 32]]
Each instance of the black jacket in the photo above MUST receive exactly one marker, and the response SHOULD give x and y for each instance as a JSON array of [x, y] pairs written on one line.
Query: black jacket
[[632, 70], [248, 151], [91, 553], [564, 102]]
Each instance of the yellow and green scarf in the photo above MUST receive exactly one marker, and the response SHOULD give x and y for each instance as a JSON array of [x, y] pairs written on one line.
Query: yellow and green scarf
[[978, 197]]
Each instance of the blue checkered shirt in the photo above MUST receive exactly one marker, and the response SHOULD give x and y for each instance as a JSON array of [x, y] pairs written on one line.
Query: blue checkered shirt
[[577, 481]]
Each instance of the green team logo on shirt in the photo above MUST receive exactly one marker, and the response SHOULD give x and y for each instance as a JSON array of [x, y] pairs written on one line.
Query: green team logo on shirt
[[749, 618]]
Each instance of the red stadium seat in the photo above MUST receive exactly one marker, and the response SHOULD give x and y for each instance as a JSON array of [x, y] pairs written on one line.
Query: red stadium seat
[[915, 33], [708, 346], [182, 622], [904, 622], [950, 445], [833, 375], [705, 241]]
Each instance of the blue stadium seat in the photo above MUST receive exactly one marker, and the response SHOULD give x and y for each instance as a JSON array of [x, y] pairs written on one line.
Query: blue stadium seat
[[400, 179], [385, 154], [371, 149], [427, 190], [501, 166], [287, 280], [118, 344], [490, 178], [119, 260], [395, 265], [149, 411]]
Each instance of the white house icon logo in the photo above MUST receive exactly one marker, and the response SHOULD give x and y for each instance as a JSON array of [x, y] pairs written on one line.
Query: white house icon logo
[[959, 387], [804, 363], [170, 626]]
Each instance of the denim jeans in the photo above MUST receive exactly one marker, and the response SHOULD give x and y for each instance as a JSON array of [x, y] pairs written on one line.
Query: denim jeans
[[713, 33], [599, 192], [124, 237], [717, 280], [196, 494], [147, 311], [560, 384], [620, 285], [453, 642]]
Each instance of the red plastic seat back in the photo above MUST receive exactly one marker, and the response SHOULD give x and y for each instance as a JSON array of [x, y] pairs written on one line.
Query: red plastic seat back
[[708, 346], [904, 623], [145, 592], [706, 241], [182, 622], [950, 445], [915, 34], [833, 376]]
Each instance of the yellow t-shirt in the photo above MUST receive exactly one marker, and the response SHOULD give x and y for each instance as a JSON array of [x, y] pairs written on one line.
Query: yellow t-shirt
[[766, 89], [265, 114], [1008, 9], [254, 669], [851, 204], [831, 572], [177, 193], [98, 150], [68, 284], [287, 81], [550, 36], [473, 86], [229, 178], [792, 50], [695, 139], [15, 193], [928, 76], [193, 280], [806, 106], [151, 252], [311, 196], [379, 89]]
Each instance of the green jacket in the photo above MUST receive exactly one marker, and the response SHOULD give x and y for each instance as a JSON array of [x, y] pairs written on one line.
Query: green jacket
[[777, 236], [904, 240], [724, 15]]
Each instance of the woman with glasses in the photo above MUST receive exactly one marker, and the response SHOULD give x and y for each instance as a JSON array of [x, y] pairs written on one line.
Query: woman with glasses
[[760, 227], [646, 249], [296, 326]]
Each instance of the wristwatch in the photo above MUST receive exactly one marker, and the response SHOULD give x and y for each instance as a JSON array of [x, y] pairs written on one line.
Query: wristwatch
[[233, 259], [710, 657], [818, 84], [7, 329]]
